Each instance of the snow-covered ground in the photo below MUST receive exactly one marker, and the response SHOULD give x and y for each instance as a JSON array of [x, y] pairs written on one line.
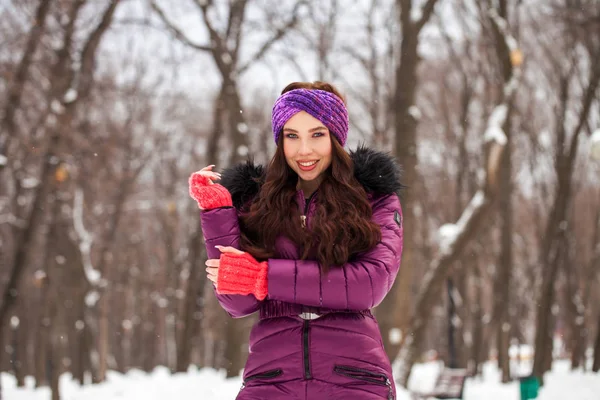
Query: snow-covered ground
[[208, 384]]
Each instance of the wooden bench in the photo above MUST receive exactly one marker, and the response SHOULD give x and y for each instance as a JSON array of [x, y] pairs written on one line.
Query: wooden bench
[[449, 385]]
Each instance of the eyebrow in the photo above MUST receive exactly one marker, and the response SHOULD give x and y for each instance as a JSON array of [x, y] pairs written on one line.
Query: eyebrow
[[318, 128]]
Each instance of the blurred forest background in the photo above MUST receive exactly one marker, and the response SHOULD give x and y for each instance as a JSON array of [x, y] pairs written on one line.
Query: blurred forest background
[[106, 107]]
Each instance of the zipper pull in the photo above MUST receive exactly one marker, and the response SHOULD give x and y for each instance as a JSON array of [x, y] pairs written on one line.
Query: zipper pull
[[303, 220]]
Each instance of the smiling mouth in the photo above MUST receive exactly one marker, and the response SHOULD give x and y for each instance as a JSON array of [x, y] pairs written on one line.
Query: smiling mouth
[[307, 166]]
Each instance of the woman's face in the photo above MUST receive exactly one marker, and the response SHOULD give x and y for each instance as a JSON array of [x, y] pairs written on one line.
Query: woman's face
[[307, 146]]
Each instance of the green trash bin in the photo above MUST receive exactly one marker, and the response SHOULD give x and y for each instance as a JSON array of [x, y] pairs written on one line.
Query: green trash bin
[[529, 386]]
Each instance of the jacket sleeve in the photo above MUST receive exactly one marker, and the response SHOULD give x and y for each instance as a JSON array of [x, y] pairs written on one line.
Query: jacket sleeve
[[357, 285], [220, 226]]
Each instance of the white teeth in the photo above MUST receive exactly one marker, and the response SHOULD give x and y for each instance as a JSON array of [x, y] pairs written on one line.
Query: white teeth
[[308, 164]]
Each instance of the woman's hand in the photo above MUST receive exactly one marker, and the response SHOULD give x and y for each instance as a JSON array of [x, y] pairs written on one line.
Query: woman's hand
[[206, 192], [212, 265], [208, 175], [237, 272]]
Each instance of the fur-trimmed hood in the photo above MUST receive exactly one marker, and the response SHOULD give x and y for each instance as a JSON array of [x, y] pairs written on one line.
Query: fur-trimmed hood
[[376, 171]]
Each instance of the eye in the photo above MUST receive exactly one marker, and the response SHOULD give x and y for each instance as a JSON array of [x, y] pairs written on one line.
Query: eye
[[291, 135], [318, 134]]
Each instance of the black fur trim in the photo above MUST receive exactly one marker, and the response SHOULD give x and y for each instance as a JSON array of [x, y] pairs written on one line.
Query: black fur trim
[[376, 171], [243, 181]]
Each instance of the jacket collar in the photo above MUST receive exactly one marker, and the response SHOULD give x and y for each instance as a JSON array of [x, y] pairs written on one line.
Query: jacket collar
[[376, 171]]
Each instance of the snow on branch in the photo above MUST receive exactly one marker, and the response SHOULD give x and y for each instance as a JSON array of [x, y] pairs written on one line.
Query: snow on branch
[[93, 276], [450, 233]]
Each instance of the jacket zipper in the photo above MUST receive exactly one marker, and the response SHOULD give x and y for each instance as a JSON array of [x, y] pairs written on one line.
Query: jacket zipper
[[263, 375], [307, 373], [303, 217], [367, 376]]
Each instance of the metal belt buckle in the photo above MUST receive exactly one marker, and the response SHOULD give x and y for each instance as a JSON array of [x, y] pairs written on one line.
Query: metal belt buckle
[[309, 315]]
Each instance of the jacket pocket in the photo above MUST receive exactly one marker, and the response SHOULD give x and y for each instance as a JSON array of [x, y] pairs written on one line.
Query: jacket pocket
[[271, 374], [365, 375]]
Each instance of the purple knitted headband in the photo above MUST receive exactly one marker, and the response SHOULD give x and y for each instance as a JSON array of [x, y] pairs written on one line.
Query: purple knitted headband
[[323, 105]]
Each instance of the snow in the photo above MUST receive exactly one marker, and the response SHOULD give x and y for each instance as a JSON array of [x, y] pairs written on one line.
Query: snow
[[242, 150], [595, 145], [416, 14], [70, 96], [208, 384], [242, 128], [57, 107], [91, 298], [29, 183], [447, 234], [415, 112], [496, 120], [395, 335], [86, 239]]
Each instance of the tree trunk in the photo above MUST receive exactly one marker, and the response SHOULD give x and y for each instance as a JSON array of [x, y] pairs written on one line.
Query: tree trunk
[[554, 236], [20, 341], [505, 259], [25, 240], [503, 278], [477, 355], [394, 311], [194, 292], [596, 363], [576, 312]]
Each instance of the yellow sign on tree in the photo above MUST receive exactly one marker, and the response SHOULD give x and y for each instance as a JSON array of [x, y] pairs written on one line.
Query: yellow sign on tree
[[61, 174], [516, 58]]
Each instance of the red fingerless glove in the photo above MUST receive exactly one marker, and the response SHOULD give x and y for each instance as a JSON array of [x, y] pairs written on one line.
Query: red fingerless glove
[[242, 274], [208, 195]]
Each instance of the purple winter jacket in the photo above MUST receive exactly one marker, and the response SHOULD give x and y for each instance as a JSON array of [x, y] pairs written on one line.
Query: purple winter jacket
[[316, 337]]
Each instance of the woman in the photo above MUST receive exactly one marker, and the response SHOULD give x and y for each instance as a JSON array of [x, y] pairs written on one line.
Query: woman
[[313, 243]]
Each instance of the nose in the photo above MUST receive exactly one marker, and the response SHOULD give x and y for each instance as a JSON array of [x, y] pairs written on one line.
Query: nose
[[304, 148]]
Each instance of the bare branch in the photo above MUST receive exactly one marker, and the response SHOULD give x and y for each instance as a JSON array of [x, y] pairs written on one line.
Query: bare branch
[[88, 55], [276, 37], [177, 33], [426, 13], [215, 37], [16, 87]]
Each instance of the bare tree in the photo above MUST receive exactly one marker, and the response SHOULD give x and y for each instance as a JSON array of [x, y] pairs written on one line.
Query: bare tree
[[567, 139], [224, 48], [373, 92], [467, 225], [505, 258], [395, 310]]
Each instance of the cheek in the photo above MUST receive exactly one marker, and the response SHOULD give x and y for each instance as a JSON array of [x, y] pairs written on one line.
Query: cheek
[[325, 150], [288, 152]]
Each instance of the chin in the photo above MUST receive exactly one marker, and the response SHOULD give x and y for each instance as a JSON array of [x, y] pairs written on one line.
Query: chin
[[309, 177]]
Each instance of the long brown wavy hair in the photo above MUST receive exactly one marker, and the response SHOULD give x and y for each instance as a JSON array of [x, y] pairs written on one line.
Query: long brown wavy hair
[[341, 226]]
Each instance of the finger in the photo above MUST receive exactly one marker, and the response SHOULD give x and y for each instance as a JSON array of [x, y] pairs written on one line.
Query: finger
[[208, 167], [229, 249], [212, 270], [213, 279], [213, 263]]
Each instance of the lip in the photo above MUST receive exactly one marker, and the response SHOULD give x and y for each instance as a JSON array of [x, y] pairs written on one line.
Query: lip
[[307, 168]]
